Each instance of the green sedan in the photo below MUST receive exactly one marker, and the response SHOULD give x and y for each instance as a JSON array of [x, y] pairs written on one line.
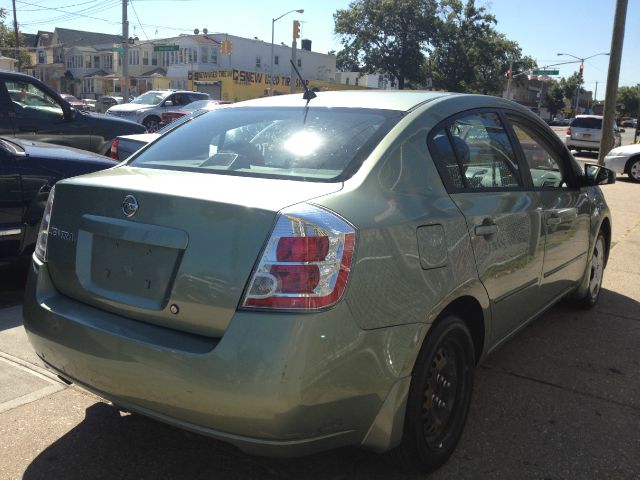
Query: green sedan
[[294, 275]]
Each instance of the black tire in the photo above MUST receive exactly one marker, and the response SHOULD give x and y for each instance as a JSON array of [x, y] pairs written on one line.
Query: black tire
[[633, 169], [439, 397], [595, 270], [152, 124]]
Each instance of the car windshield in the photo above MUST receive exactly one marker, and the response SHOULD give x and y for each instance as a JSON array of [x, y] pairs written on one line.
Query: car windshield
[[587, 122], [70, 98], [150, 98], [321, 144]]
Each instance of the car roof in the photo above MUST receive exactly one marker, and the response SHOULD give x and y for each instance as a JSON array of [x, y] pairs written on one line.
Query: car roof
[[589, 116], [385, 100]]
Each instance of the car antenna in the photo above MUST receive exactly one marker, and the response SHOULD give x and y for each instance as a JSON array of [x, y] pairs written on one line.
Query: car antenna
[[308, 95]]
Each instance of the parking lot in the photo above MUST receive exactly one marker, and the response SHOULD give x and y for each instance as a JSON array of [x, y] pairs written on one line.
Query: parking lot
[[560, 401]]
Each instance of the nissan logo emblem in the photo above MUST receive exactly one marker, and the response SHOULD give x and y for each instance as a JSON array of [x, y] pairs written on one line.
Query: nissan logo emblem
[[129, 205]]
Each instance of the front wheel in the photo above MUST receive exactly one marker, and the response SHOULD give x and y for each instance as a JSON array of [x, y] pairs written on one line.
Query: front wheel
[[634, 170], [152, 124], [596, 273], [439, 397]]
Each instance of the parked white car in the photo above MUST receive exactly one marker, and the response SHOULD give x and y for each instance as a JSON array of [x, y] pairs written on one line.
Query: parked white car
[[585, 132], [625, 160]]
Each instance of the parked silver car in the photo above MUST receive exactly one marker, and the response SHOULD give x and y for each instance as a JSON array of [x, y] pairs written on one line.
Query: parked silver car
[[148, 108]]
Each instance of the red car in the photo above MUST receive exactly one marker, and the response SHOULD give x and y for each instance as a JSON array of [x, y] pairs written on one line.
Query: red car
[[171, 115], [73, 101]]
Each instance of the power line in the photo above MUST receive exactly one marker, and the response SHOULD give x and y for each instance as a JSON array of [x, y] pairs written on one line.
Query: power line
[[138, 18]]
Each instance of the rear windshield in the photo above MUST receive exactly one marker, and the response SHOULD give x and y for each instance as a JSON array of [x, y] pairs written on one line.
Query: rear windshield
[[318, 144], [587, 123]]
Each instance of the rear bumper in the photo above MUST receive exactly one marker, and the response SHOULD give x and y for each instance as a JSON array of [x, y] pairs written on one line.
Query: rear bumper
[[274, 384], [573, 144]]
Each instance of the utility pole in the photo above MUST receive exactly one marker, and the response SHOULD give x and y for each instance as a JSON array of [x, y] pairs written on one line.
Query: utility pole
[[509, 77], [125, 53], [15, 31], [613, 76]]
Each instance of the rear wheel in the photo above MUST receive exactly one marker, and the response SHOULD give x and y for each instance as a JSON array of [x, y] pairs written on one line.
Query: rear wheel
[[634, 170], [439, 397]]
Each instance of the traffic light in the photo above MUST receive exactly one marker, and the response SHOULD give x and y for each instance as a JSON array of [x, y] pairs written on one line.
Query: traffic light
[[296, 29], [581, 68], [225, 47]]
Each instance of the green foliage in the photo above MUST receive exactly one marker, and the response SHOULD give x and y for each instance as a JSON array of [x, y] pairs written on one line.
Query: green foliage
[[451, 41], [570, 85], [467, 53], [387, 36], [8, 42], [629, 100], [554, 99]]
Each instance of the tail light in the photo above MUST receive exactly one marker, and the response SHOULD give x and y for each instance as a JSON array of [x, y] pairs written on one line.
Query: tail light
[[43, 233], [113, 153], [568, 131], [306, 262]]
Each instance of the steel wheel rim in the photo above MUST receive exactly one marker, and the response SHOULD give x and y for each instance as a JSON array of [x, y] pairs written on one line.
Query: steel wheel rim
[[442, 395], [597, 268]]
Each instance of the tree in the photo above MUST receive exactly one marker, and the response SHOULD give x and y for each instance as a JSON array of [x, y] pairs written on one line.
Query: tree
[[388, 36], [554, 99], [345, 61], [629, 99], [570, 86], [467, 54], [8, 42]]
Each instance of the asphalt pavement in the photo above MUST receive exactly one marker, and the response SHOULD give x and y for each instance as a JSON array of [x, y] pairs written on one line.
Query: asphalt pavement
[[560, 401]]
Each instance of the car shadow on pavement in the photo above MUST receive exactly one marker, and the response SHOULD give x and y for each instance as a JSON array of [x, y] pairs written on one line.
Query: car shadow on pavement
[[539, 411], [109, 444], [12, 288]]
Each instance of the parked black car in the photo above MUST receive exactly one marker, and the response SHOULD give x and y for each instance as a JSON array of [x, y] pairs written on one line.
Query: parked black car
[[28, 170], [31, 110]]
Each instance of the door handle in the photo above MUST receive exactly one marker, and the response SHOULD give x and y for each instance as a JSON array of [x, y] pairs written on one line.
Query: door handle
[[486, 230], [554, 221]]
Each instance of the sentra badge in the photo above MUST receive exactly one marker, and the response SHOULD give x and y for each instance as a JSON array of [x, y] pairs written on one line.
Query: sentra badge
[[61, 234], [129, 205]]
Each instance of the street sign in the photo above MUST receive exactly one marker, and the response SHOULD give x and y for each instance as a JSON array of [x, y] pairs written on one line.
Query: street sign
[[166, 48], [118, 49], [546, 72]]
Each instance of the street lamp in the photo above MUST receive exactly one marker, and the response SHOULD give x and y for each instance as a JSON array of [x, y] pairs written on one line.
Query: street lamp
[[581, 60], [273, 22]]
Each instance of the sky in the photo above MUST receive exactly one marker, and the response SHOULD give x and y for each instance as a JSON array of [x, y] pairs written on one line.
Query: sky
[[542, 28]]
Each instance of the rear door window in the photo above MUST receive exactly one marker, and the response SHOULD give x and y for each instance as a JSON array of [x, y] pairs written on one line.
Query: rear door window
[[587, 122], [474, 152]]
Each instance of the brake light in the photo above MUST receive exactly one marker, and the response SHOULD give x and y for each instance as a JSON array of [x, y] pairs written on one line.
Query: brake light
[[43, 232], [113, 153], [306, 263], [568, 131]]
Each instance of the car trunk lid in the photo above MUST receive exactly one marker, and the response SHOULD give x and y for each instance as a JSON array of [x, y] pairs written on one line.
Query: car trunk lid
[[183, 256]]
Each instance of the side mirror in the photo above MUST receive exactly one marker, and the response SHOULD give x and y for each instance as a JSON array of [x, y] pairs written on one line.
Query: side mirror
[[598, 175], [168, 103], [70, 113]]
